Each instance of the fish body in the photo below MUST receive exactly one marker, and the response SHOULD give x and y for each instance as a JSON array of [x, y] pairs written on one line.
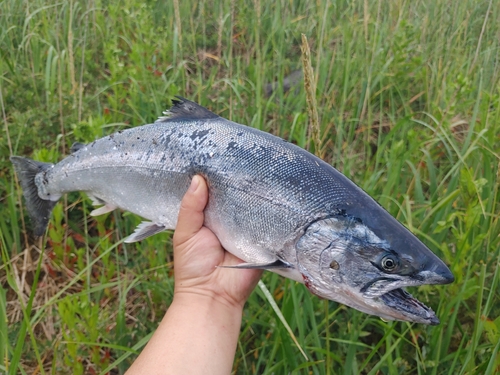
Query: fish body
[[271, 203]]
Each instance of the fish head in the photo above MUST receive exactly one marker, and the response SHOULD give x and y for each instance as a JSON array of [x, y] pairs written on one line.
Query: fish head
[[343, 259]]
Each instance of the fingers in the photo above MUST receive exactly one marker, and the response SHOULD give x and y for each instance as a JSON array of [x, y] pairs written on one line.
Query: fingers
[[191, 215]]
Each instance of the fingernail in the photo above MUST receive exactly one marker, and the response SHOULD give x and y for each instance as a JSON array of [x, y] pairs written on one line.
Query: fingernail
[[194, 184]]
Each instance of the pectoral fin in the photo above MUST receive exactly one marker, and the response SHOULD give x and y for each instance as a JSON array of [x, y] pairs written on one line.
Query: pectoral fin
[[144, 230], [261, 266]]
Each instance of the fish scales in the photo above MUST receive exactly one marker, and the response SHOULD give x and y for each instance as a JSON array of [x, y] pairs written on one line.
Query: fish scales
[[271, 203], [148, 170]]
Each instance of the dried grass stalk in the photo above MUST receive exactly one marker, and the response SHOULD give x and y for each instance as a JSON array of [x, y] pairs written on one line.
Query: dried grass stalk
[[312, 107]]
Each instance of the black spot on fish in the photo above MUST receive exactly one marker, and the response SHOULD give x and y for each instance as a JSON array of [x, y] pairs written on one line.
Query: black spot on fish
[[165, 139], [45, 179], [198, 137], [239, 134], [199, 134], [232, 146]]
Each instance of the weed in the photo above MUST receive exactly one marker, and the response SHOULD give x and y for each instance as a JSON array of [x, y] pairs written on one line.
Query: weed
[[408, 98]]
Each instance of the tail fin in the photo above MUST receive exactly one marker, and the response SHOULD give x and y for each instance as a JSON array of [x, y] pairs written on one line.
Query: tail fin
[[39, 209]]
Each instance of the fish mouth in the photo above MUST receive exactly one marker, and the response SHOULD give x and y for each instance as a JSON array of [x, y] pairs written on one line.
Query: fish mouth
[[405, 307]]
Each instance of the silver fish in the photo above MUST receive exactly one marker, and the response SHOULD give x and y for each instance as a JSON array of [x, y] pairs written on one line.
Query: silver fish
[[271, 203]]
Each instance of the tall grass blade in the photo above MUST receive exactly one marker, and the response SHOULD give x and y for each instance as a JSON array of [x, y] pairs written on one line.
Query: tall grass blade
[[277, 310]]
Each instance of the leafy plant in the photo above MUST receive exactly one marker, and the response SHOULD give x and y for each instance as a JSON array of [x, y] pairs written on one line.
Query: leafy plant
[[408, 105]]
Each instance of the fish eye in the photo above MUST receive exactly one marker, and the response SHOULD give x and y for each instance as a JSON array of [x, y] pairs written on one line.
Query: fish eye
[[389, 263]]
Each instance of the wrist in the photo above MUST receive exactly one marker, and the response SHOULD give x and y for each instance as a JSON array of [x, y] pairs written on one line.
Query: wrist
[[198, 336], [201, 299]]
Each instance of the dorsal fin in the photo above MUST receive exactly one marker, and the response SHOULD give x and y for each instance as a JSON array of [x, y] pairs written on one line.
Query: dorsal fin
[[186, 110]]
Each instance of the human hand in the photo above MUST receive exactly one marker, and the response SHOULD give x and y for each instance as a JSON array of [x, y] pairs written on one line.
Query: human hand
[[198, 253], [199, 332]]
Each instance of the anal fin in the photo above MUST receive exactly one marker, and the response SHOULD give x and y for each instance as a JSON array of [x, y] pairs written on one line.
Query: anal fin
[[96, 201], [144, 230], [261, 266]]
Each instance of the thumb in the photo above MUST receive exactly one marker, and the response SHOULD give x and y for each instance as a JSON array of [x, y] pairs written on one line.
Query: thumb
[[191, 216]]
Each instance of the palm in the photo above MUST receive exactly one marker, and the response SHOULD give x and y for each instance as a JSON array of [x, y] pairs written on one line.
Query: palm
[[198, 253]]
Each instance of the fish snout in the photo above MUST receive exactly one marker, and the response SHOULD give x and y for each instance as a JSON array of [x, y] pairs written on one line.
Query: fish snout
[[436, 272]]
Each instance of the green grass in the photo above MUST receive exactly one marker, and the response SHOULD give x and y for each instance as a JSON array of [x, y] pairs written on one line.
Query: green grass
[[408, 99]]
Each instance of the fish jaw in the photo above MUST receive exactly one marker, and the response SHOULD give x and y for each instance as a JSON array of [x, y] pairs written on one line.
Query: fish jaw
[[403, 306], [340, 259], [396, 304]]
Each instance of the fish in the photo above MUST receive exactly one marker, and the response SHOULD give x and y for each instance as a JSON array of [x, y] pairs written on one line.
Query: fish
[[271, 203]]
